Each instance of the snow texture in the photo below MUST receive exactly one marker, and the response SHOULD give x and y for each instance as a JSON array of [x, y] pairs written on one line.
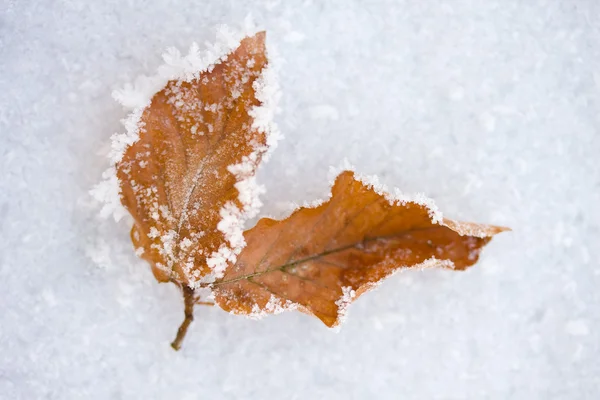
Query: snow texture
[[489, 107]]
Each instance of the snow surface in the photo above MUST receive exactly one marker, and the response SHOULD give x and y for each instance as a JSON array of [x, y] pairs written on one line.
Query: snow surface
[[491, 108]]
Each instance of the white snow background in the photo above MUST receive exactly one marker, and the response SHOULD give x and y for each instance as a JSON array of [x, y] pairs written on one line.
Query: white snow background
[[490, 107]]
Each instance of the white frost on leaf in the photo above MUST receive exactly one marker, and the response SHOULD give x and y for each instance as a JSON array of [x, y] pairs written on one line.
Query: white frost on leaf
[[473, 229], [107, 192], [334, 171], [233, 218], [315, 203], [433, 262], [274, 306], [121, 141], [394, 197], [217, 262], [397, 197], [232, 226], [267, 91], [348, 294]]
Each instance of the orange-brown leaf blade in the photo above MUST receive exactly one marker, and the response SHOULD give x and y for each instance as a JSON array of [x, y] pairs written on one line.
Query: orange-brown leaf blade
[[176, 178], [319, 259]]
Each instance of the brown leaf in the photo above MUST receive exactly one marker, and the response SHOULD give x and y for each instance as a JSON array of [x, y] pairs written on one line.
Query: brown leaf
[[187, 180], [319, 259], [177, 179]]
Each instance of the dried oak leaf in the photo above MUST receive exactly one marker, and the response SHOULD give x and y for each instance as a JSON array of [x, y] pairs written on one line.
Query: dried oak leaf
[[180, 180], [319, 259]]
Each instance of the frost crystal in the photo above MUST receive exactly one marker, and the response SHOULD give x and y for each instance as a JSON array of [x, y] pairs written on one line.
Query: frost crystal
[[267, 92], [348, 294], [395, 197], [107, 192], [233, 218], [275, 305]]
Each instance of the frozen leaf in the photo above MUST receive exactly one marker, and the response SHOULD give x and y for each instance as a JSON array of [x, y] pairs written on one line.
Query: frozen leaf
[[320, 259], [187, 179], [185, 171]]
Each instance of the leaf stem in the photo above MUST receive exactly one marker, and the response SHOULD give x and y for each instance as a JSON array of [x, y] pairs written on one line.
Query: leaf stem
[[188, 300]]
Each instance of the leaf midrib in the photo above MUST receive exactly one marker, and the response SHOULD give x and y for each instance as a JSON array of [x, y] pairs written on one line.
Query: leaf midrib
[[316, 256]]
